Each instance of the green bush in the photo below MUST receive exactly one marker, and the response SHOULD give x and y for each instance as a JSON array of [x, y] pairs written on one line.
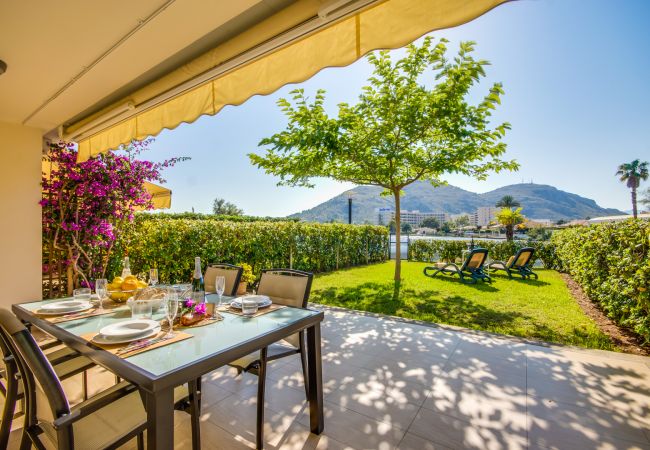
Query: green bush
[[201, 216], [611, 262], [172, 244], [431, 250]]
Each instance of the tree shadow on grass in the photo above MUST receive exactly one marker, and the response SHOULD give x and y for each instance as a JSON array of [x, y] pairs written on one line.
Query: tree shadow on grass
[[434, 306], [515, 278], [479, 285]]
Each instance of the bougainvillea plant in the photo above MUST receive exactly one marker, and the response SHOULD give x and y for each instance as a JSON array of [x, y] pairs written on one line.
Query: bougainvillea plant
[[85, 205]]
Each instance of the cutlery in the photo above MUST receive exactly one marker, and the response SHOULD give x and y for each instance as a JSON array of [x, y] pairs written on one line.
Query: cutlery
[[137, 345], [77, 314]]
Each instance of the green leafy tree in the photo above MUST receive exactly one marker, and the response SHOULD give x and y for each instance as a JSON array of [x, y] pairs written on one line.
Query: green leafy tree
[[507, 201], [445, 227], [632, 173], [403, 128], [406, 228], [510, 218], [222, 207], [430, 222], [461, 221]]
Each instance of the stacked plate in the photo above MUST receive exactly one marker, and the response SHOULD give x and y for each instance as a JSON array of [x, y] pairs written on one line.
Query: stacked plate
[[127, 331], [65, 307], [262, 301]]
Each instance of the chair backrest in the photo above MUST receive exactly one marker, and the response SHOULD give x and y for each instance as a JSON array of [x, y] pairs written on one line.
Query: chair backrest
[[231, 273], [286, 287], [45, 396], [475, 259], [522, 257]]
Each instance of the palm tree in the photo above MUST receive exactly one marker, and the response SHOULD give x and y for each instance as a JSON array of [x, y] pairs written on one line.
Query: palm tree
[[632, 173], [508, 201], [509, 218]]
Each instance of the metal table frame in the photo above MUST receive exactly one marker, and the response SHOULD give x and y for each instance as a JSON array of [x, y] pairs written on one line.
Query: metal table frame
[[158, 390]]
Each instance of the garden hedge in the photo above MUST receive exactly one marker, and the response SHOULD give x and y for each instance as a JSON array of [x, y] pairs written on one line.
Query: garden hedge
[[432, 250], [611, 262], [172, 244]]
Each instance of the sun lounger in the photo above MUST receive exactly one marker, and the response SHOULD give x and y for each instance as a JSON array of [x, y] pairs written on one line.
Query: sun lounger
[[521, 263], [470, 272]]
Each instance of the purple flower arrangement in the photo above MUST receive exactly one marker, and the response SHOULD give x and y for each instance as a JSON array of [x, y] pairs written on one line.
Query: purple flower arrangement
[[193, 308]]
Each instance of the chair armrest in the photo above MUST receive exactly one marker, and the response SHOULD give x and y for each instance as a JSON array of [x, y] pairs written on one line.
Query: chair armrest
[[95, 403]]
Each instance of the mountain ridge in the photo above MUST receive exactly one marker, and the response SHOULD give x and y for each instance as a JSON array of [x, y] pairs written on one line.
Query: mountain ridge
[[539, 201]]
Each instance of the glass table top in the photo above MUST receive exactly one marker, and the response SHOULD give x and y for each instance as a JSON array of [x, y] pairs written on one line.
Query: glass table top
[[208, 340]]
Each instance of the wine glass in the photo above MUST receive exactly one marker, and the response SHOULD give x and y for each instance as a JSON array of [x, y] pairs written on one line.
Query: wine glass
[[220, 286], [101, 289], [153, 276], [172, 310]]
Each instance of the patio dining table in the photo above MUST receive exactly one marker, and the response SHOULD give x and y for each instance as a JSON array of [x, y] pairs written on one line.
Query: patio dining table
[[158, 371]]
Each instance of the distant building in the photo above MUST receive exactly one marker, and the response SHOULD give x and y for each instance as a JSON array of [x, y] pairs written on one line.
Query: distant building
[[617, 218], [484, 215], [538, 223], [413, 218]]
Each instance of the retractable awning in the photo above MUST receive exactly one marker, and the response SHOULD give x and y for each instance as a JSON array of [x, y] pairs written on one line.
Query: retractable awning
[[289, 47]]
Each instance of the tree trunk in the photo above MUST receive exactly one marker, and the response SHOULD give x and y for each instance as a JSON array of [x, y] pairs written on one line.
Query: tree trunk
[[398, 238], [634, 212], [510, 233]]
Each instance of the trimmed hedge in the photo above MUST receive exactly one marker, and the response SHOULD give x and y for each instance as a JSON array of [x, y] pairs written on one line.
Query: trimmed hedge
[[172, 244], [611, 262], [432, 250], [201, 216]]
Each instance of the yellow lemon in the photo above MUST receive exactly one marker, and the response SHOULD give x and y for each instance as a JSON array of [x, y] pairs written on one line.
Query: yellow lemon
[[130, 278], [142, 284], [118, 280], [130, 285]]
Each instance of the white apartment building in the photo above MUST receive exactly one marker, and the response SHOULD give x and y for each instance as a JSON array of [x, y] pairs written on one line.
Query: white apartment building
[[413, 218], [484, 215]]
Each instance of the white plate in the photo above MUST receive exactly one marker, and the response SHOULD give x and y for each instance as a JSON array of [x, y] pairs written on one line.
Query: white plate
[[128, 328], [104, 340], [262, 301], [65, 307]]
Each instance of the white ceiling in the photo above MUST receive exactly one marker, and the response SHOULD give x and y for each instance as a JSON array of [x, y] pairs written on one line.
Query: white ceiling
[[46, 44]]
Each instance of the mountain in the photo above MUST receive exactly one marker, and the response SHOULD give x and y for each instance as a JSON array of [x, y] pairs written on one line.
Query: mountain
[[539, 201]]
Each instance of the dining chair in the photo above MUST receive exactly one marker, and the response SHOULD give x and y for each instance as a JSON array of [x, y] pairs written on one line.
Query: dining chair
[[230, 272], [106, 420], [284, 287], [65, 362]]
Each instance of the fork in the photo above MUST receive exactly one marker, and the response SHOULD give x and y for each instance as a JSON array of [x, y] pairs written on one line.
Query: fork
[[137, 345]]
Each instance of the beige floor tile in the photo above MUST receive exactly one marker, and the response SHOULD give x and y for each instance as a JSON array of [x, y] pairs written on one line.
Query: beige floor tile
[[450, 431], [482, 405], [414, 442], [356, 430], [278, 397], [586, 422]]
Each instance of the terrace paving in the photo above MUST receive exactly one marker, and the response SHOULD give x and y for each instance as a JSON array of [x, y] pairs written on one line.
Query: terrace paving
[[395, 384]]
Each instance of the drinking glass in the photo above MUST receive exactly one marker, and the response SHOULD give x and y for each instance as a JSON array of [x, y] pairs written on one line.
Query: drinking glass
[[141, 309], [220, 285], [153, 276], [172, 310], [101, 289], [82, 294], [249, 305]]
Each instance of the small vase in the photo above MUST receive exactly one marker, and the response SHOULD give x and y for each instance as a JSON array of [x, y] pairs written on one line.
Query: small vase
[[241, 289]]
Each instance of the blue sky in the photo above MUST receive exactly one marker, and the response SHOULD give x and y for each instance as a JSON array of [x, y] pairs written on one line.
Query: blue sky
[[576, 76]]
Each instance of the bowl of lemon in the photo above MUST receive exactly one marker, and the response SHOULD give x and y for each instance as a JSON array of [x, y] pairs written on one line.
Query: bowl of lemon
[[121, 289]]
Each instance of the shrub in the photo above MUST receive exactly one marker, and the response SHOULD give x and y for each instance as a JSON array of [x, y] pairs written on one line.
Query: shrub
[[431, 250], [172, 244], [201, 216], [611, 262]]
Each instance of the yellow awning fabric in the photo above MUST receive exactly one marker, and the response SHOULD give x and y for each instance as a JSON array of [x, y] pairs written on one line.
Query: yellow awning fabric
[[161, 197], [387, 25]]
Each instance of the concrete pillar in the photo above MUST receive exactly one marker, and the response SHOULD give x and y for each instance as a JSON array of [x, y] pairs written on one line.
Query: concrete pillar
[[20, 214]]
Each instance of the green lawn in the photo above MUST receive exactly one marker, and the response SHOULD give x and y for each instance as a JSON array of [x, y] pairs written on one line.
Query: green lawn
[[538, 309]]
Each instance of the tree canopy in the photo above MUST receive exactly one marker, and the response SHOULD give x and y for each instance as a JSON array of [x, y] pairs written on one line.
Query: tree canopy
[[507, 201], [222, 207], [632, 174], [412, 122], [509, 218]]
